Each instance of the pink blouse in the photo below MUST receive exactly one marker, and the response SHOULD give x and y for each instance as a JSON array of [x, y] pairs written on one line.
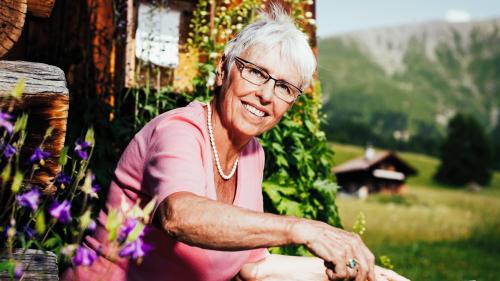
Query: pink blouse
[[172, 153]]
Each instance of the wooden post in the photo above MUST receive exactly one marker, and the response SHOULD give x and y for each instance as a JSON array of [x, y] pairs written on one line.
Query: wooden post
[[46, 98], [12, 17]]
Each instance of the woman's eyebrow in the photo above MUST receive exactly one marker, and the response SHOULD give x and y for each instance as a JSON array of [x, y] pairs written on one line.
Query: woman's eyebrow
[[267, 71]]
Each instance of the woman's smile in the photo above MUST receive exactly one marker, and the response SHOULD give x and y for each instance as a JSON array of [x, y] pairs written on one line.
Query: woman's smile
[[253, 110]]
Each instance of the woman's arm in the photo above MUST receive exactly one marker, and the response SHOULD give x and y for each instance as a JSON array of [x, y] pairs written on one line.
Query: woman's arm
[[278, 267], [206, 223]]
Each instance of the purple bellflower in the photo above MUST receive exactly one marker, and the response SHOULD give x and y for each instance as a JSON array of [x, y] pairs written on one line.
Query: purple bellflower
[[29, 199], [62, 181], [96, 187], [81, 149], [136, 249], [92, 226], [9, 150], [125, 230], [5, 122], [39, 156], [61, 211], [18, 271], [84, 256], [29, 232]]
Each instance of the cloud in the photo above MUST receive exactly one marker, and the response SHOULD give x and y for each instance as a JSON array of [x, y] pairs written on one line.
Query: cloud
[[457, 16]]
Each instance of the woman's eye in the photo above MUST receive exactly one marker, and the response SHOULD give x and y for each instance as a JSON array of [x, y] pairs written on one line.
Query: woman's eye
[[256, 72], [284, 89]]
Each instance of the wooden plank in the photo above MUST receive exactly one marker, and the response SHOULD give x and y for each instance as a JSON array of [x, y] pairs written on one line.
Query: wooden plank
[[41, 8], [12, 17], [36, 264], [46, 98]]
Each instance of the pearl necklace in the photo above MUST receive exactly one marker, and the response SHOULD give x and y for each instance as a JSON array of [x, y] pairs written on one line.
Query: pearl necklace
[[214, 148]]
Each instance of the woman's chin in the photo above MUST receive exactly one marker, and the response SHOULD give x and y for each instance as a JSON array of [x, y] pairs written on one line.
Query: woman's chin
[[247, 130]]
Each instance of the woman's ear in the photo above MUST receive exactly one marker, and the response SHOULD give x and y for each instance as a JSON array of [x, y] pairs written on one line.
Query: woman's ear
[[219, 72]]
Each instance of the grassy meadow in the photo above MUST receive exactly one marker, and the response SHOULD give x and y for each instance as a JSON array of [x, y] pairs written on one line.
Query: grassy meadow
[[434, 232]]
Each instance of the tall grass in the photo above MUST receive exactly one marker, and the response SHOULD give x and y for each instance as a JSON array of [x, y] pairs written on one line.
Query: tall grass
[[433, 232]]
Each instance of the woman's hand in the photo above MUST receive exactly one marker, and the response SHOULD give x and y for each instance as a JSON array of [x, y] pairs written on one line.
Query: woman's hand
[[336, 246]]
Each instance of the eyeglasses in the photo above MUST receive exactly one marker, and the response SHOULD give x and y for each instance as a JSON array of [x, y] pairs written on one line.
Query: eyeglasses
[[258, 76]]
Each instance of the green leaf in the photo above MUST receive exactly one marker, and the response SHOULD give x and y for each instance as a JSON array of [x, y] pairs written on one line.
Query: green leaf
[[48, 133], [146, 211], [63, 158], [17, 92], [85, 220], [8, 266], [40, 225], [89, 136], [16, 183], [113, 223], [278, 147], [281, 161], [309, 125], [289, 207], [6, 173], [21, 123], [138, 229], [52, 242]]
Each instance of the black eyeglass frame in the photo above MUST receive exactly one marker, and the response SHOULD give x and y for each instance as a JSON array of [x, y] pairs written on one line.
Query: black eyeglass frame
[[269, 77]]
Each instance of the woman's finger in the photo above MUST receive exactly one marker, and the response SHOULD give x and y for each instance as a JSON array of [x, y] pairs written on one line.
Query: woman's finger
[[352, 273], [362, 270], [330, 274], [365, 258]]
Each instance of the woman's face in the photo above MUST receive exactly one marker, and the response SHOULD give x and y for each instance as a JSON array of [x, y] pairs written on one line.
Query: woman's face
[[249, 110]]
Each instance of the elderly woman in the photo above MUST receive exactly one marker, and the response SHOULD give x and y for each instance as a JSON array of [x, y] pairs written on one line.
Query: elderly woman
[[205, 167]]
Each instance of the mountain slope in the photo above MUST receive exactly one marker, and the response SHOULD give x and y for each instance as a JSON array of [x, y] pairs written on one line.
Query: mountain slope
[[397, 87]]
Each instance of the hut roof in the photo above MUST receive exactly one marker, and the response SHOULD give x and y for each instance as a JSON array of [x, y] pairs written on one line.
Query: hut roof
[[363, 163]]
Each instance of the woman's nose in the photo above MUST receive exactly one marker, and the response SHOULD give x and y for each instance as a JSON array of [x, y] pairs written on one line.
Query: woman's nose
[[266, 91]]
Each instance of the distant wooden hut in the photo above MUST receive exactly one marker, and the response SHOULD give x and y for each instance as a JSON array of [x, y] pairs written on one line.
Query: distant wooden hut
[[374, 172]]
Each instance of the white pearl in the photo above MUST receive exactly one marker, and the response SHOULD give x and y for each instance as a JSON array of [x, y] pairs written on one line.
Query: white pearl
[[214, 148]]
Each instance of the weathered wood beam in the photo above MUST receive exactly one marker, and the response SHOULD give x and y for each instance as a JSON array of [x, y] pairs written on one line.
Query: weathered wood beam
[[35, 264], [12, 17], [41, 8], [46, 98]]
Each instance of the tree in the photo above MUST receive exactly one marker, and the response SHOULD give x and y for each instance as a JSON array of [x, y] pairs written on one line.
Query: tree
[[495, 136], [465, 153]]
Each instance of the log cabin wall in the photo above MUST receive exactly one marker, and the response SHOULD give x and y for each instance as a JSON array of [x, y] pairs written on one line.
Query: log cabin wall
[[88, 43], [71, 40], [92, 41]]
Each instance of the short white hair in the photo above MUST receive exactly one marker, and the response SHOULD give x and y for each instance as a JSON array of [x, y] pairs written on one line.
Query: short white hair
[[275, 29]]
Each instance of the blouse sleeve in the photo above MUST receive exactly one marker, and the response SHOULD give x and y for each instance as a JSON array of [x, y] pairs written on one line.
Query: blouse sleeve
[[174, 161], [257, 255]]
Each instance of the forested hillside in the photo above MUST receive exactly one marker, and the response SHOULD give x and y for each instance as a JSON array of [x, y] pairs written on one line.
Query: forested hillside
[[398, 87]]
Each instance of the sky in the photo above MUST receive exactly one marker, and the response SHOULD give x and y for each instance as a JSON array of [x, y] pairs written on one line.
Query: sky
[[336, 17]]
